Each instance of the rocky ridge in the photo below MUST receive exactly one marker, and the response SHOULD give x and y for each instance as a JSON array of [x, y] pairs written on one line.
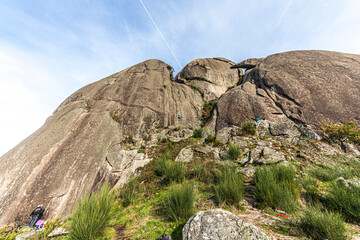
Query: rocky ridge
[[95, 135]]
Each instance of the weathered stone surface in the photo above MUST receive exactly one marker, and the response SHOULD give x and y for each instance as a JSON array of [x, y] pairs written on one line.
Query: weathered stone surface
[[185, 155], [26, 235], [211, 76], [249, 63], [285, 129], [78, 147], [263, 153], [248, 171], [57, 232], [310, 86], [242, 103], [304, 86], [219, 224]]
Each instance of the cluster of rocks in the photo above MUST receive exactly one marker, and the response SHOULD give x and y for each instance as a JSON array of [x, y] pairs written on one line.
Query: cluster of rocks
[[82, 144]]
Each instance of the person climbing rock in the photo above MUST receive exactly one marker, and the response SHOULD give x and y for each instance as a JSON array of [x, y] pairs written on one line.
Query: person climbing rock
[[179, 116], [36, 215]]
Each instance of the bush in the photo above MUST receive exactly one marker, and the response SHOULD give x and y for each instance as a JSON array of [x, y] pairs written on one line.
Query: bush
[[128, 192], [180, 202], [129, 139], [311, 194], [211, 138], [172, 171], [230, 189], [197, 133], [208, 110], [147, 137], [249, 127], [345, 200], [341, 131], [92, 215], [276, 187], [233, 152], [319, 224], [327, 174]]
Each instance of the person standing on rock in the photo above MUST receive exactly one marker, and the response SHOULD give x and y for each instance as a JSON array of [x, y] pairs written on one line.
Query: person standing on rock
[[36, 215]]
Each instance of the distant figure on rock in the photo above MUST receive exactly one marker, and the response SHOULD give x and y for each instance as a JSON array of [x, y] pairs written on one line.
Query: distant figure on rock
[[36, 215], [179, 116]]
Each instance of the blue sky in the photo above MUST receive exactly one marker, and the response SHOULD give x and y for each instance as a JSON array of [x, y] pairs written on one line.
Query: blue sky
[[49, 49]]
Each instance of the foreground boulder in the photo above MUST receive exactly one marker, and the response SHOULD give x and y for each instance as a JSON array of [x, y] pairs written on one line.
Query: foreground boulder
[[81, 145], [305, 87], [219, 224]]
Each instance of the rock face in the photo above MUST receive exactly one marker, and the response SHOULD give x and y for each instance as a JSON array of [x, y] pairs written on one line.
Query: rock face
[[219, 224], [211, 76], [303, 86], [248, 63], [80, 145]]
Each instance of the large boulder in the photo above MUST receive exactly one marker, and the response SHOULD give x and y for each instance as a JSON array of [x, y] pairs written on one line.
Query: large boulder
[[80, 146], [219, 224], [305, 87], [211, 76], [248, 63]]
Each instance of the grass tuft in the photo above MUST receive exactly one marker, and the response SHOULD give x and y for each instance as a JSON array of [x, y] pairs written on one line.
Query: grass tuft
[[276, 187], [231, 189], [345, 200], [198, 133], [92, 215], [128, 192], [180, 202], [234, 152], [170, 170], [318, 224]]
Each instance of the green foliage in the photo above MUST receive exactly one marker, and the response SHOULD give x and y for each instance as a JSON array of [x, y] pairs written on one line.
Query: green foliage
[[208, 108], [211, 138], [92, 215], [234, 152], [162, 139], [311, 186], [276, 187], [318, 224], [147, 137], [327, 174], [177, 128], [141, 151], [48, 228], [180, 202], [240, 80], [129, 139], [230, 189], [341, 131], [10, 235], [345, 200], [198, 133], [127, 193], [170, 170], [197, 89], [249, 128]]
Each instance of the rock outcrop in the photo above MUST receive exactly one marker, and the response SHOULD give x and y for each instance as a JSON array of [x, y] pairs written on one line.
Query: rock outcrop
[[211, 76], [81, 145], [219, 224], [305, 87], [248, 63]]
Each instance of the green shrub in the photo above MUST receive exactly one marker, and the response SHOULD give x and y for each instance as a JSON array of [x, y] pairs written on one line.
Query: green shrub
[[231, 187], [147, 137], [129, 139], [345, 200], [92, 215], [311, 185], [275, 187], [170, 170], [318, 224], [180, 202], [249, 127], [211, 138], [208, 108], [234, 152], [197, 133], [341, 131], [327, 174], [128, 192]]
